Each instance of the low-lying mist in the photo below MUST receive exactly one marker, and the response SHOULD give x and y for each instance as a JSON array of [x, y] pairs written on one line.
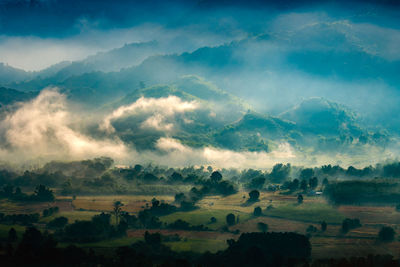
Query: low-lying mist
[[49, 128]]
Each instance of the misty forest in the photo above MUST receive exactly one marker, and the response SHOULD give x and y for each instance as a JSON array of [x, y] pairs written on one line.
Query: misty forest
[[200, 133]]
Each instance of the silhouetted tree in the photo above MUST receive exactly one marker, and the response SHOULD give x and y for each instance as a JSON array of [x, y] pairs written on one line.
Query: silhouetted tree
[[300, 198], [306, 174], [294, 185], [254, 195], [313, 182], [303, 185], [263, 227], [152, 239], [216, 177], [386, 234], [58, 222], [257, 211], [323, 226], [117, 205], [230, 219], [12, 235]]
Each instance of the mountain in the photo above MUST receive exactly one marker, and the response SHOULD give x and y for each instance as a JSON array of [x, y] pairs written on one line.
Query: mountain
[[333, 123], [10, 96], [215, 109], [9, 74], [254, 132], [109, 61], [320, 116]]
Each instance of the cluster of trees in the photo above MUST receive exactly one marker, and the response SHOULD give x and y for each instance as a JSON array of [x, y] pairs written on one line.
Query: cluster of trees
[[183, 225], [57, 223], [98, 228], [42, 194], [251, 249], [366, 191], [100, 175], [23, 219], [50, 211], [304, 184], [349, 224]]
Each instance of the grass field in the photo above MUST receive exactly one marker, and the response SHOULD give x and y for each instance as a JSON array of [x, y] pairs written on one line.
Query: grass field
[[308, 212], [203, 216], [285, 216], [132, 204], [5, 228]]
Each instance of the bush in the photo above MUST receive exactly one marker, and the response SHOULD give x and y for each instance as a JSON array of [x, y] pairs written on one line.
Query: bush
[[230, 219], [263, 227], [323, 226], [349, 224], [386, 234], [311, 229], [257, 211], [254, 195], [300, 198], [58, 222]]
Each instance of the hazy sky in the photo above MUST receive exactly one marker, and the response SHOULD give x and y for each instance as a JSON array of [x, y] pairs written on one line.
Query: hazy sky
[[38, 33]]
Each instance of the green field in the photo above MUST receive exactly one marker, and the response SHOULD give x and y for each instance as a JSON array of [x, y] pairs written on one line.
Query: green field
[[286, 215], [307, 212], [203, 216]]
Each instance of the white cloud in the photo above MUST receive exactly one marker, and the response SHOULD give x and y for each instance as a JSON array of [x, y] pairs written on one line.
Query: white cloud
[[159, 111], [181, 155], [42, 128]]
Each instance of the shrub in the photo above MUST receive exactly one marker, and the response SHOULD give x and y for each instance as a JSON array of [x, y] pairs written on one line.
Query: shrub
[[58, 222], [254, 195], [263, 227], [230, 219], [257, 211], [386, 234]]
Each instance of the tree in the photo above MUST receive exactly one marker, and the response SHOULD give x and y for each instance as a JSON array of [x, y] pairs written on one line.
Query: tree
[[306, 174], [325, 182], [257, 183], [386, 234], [313, 182], [117, 210], [215, 177], [58, 222], [176, 177], [311, 229], [257, 211], [294, 185], [43, 193], [300, 198], [254, 195], [323, 226], [263, 227], [230, 219], [179, 197], [349, 224], [12, 235], [280, 172], [152, 239], [303, 185]]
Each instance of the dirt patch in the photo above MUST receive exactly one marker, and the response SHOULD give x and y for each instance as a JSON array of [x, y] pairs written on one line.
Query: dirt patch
[[371, 214]]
